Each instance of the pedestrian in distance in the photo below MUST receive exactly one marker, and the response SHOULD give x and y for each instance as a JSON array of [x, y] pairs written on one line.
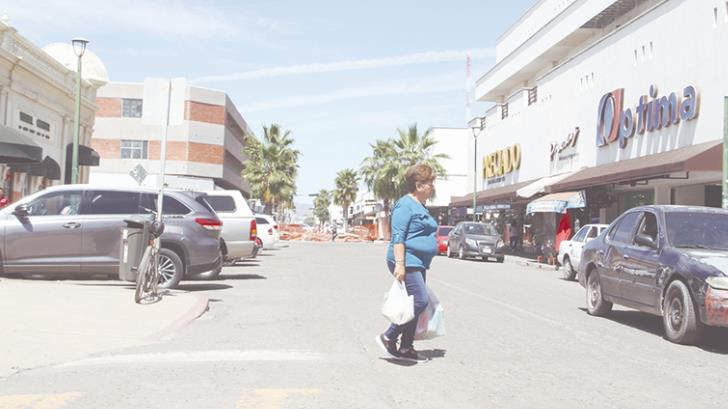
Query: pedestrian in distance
[[333, 231], [4, 201], [409, 255]]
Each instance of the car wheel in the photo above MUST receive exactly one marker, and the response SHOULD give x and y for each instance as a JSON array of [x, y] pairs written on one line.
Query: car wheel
[[595, 303], [679, 315], [568, 272], [485, 258], [171, 268], [500, 259], [461, 252]]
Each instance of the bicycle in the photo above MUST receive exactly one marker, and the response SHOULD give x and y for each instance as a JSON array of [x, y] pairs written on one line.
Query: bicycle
[[148, 273]]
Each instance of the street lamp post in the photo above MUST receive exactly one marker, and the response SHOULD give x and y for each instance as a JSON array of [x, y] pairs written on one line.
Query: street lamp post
[[476, 132], [79, 48]]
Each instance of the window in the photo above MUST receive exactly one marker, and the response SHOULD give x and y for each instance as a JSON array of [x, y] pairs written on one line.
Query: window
[[171, 206], [261, 220], [715, 17], [581, 234], [134, 149], [625, 229], [593, 233], [504, 111], [649, 226], [112, 202], [221, 204], [131, 108], [28, 119], [56, 204], [43, 125], [532, 95]]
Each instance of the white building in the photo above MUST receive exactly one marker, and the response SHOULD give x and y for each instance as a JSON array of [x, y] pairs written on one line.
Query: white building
[[620, 101], [457, 144], [205, 138], [37, 106]]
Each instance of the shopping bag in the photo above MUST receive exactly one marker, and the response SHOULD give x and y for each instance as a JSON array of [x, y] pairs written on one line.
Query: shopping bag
[[398, 307], [431, 322]]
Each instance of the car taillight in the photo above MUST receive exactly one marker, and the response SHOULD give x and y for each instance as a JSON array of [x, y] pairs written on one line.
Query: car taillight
[[209, 224], [270, 231], [253, 230], [275, 227]]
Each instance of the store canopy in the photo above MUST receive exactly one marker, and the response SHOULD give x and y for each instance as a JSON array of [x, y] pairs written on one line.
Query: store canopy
[[503, 193], [16, 147], [706, 156], [540, 185], [557, 202], [47, 168], [86, 156]]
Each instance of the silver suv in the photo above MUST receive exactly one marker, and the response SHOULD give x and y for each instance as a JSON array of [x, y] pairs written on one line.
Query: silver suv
[[76, 229]]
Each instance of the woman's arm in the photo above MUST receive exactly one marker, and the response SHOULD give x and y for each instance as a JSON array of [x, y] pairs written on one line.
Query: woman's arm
[[401, 216], [399, 266]]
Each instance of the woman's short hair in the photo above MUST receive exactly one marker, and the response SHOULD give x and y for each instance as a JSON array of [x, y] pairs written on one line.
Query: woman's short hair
[[419, 173]]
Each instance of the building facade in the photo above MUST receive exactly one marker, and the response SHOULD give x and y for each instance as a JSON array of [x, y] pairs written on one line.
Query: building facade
[[617, 103], [205, 138], [37, 106]]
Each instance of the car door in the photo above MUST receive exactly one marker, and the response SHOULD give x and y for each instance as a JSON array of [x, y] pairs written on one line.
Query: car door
[[575, 245], [641, 266], [104, 212], [620, 236], [578, 247], [48, 239]]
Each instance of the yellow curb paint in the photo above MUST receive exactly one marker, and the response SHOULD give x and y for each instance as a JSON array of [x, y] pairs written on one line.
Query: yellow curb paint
[[40, 401], [271, 398]]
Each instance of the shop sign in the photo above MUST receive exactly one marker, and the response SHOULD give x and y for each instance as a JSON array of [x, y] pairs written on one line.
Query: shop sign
[[614, 123], [502, 162], [569, 142]]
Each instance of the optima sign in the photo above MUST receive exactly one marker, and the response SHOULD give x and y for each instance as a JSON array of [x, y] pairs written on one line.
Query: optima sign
[[614, 124]]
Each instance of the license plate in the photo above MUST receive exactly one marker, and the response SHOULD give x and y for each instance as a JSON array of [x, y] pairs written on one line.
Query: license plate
[[486, 250]]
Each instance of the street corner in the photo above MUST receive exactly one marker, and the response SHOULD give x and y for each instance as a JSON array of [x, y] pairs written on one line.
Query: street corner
[[188, 307]]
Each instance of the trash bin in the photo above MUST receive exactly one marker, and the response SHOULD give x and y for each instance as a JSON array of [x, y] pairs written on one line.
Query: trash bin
[[134, 239]]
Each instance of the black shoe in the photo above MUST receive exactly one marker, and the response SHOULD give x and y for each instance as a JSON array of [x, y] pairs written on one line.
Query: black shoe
[[411, 355], [388, 346]]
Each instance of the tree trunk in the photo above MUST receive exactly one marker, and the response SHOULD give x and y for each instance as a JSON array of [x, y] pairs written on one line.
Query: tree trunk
[[346, 217]]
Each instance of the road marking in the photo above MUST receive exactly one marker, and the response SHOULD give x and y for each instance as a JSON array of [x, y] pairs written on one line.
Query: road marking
[[200, 356], [271, 398], [44, 401]]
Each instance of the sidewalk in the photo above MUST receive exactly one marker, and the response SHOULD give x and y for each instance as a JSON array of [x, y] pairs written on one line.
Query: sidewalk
[[528, 259], [50, 322]]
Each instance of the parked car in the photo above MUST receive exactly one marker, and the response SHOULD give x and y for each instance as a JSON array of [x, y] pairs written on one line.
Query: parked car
[[570, 250], [267, 230], [76, 229], [670, 261], [471, 239], [239, 228], [442, 236]]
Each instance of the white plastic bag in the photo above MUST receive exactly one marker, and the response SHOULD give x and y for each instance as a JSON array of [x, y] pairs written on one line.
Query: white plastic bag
[[431, 322], [398, 307]]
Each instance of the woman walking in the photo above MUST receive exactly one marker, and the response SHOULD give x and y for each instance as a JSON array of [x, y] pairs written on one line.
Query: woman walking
[[410, 253]]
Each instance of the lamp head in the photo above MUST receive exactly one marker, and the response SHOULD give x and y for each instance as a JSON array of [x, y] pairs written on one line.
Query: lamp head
[[79, 46]]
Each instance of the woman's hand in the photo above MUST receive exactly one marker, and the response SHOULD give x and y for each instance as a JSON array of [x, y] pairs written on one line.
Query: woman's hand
[[399, 271]]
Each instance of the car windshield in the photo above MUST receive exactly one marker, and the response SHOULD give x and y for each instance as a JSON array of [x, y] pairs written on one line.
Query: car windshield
[[697, 230], [444, 231], [480, 230]]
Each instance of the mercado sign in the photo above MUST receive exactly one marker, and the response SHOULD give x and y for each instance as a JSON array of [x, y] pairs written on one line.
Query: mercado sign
[[502, 162], [570, 142], [614, 123]]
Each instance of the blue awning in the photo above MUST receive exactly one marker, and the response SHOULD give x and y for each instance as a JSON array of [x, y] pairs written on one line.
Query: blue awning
[[557, 202]]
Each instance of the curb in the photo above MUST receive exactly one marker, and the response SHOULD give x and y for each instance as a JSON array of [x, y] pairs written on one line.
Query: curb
[[200, 307], [534, 264]]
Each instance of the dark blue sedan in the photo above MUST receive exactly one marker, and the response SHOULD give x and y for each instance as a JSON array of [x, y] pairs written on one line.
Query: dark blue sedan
[[670, 261]]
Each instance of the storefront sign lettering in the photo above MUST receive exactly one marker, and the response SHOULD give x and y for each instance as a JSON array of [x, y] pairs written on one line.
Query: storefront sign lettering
[[557, 148], [614, 123], [502, 162]]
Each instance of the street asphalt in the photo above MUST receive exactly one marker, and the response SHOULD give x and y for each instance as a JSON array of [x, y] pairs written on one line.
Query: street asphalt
[[296, 329]]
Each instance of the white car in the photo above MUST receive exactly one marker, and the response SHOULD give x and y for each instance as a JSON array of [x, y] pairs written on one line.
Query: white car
[[238, 223], [570, 250], [267, 230]]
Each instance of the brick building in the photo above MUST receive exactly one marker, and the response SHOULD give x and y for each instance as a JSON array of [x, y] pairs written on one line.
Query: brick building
[[204, 142]]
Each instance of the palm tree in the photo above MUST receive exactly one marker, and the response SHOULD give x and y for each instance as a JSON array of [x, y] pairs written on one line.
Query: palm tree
[[321, 207], [272, 167], [414, 148], [346, 190]]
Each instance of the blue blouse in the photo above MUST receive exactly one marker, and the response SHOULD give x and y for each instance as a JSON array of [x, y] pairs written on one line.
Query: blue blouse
[[413, 226]]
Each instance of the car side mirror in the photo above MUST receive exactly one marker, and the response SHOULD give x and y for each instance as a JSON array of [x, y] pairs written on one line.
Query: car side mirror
[[645, 241], [21, 210]]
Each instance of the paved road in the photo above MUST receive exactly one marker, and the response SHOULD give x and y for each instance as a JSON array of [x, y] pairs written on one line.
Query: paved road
[[296, 330]]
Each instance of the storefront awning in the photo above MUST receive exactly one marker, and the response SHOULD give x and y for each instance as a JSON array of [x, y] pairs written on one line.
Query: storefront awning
[[18, 148], [706, 156], [557, 202], [47, 168], [540, 185], [502, 193], [86, 156]]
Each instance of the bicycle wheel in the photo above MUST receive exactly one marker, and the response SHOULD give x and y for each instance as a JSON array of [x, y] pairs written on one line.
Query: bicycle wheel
[[142, 275]]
